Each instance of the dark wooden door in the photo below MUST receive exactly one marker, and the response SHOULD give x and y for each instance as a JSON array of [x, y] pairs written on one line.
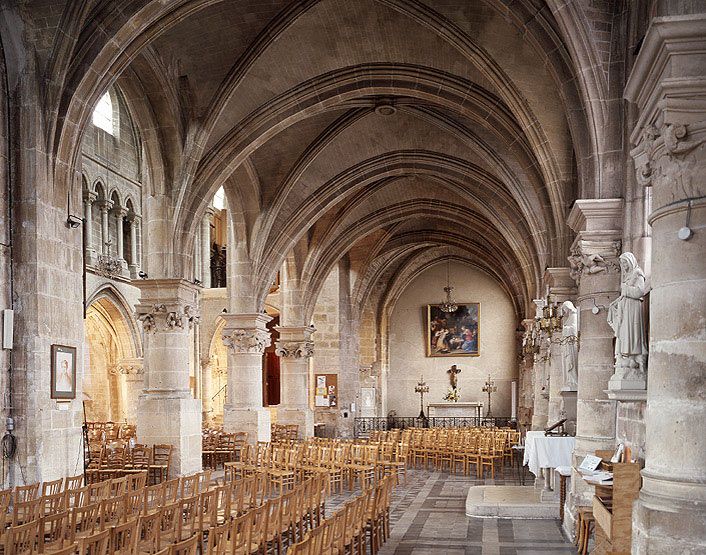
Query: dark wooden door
[[270, 369]]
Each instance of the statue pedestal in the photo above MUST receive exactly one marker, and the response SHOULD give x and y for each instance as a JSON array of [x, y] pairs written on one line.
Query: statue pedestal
[[617, 383]]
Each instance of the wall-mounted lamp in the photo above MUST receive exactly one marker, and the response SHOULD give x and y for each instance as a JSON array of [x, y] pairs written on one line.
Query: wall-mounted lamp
[[73, 222]]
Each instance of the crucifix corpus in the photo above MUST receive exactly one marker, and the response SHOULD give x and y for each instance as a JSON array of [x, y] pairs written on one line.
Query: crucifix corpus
[[453, 373]]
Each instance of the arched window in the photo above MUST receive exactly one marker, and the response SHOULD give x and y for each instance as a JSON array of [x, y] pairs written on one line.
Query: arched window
[[219, 199], [103, 114]]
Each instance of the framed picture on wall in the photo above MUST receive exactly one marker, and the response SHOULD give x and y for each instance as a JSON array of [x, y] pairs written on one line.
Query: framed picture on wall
[[63, 372], [453, 334]]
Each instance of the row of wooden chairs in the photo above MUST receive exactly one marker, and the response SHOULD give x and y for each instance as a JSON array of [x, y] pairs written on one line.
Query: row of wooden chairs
[[117, 460], [366, 517], [449, 449], [284, 432], [219, 448]]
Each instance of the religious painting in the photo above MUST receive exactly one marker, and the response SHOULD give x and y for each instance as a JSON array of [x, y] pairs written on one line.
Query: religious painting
[[63, 372], [453, 333]]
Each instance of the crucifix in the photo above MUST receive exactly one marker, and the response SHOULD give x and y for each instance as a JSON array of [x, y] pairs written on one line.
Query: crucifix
[[453, 373], [489, 388], [421, 388]]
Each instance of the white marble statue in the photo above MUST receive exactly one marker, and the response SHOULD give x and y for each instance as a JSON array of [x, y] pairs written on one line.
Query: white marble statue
[[625, 317], [569, 344]]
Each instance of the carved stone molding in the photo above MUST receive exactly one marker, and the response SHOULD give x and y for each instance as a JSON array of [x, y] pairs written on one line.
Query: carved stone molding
[[594, 257], [131, 368], [167, 305], [295, 349], [671, 160], [247, 341]]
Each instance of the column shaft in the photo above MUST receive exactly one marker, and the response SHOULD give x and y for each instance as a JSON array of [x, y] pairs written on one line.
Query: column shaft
[[667, 84], [206, 249], [295, 348], [246, 337]]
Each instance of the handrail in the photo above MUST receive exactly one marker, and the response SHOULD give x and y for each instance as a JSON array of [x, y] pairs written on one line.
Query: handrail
[[364, 425]]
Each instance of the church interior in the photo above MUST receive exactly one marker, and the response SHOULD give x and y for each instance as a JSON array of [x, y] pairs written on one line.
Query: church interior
[[353, 276]]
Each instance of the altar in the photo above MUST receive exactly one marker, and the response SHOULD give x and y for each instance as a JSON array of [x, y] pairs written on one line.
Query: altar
[[455, 410]]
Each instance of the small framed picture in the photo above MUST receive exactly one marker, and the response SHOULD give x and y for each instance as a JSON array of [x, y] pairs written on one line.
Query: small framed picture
[[63, 372]]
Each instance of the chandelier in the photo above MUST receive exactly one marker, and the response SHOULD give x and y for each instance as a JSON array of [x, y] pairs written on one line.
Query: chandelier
[[448, 305]]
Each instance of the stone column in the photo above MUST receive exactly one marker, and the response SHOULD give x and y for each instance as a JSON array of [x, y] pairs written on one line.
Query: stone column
[[167, 412], [668, 85], [595, 268], [526, 388], [541, 394], [206, 388], [295, 348], [89, 197], [134, 373], [561, 288], [105, 206], [120, 213], [206, 247], [134, 264], [246, 337]]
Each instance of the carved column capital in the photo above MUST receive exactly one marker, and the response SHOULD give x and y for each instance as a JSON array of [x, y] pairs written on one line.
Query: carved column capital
[[167, 305], [246, 333], [295, 349], [131, 367]]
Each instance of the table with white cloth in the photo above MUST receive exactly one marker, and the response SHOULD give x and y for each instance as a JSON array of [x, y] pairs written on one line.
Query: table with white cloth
[[547, 452]]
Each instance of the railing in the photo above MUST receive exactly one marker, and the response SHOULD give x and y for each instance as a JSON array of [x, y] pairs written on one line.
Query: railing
[[363, 426]]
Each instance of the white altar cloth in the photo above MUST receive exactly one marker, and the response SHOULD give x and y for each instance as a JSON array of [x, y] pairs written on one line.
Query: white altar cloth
[[547, 451]]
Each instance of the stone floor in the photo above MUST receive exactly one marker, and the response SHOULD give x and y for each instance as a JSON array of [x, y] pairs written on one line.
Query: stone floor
[[428, 517]]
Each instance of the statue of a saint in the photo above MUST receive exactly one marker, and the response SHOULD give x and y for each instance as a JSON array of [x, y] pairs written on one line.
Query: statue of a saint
[[569, 346], [625, 317]]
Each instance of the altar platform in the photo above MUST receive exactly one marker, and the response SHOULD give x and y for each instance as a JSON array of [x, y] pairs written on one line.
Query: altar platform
[[509, 502]]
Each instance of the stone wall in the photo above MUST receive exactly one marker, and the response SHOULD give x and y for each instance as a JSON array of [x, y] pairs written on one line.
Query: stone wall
[[407, 342]]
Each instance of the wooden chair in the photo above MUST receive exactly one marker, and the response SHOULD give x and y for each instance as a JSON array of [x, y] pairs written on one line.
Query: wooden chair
[[54, 532], [22, 494], [26, 511], [218, 540], [21, 539], [245, 531], [95, 544], [136, 479], [153, 498], [68, 550], [161, 462], [98, 491], [189, 486], [84, 521], [188, 513], [73, 482], [169, 522], [186, 547], [123, 538], [112, 512], [77, 497], [134, 501], [148, 528], [52, 503], [171, 490], [118, 486], [53, 487]]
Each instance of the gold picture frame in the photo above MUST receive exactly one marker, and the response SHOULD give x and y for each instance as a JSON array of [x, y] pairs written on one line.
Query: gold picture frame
[[453, 335]]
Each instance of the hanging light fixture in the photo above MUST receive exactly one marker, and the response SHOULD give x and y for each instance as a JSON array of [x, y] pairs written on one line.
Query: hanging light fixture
[[448, 305]]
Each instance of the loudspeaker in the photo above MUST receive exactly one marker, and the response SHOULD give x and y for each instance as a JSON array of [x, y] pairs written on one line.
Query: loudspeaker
[[8, 323]]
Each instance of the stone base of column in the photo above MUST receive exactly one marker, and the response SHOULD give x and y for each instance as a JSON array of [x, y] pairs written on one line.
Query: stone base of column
[[627, 384], [671, 528], [174, 419], [304, 418], [254, 421]]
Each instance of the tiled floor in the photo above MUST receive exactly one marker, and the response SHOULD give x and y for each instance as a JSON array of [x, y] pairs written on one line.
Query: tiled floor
[[428, 518]]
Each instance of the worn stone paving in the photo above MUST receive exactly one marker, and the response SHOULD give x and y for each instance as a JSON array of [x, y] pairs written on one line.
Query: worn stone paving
[[428, 517]]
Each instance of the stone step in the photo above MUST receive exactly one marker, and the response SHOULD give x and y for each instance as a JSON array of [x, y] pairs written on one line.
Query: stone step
[[509, 502]]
